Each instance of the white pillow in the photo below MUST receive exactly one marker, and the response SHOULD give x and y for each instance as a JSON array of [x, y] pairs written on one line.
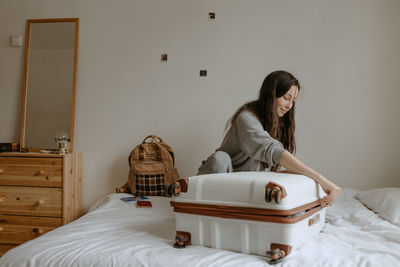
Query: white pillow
[[383, 201]]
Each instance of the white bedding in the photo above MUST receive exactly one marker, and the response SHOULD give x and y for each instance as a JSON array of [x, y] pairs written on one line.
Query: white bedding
[[114, 233]]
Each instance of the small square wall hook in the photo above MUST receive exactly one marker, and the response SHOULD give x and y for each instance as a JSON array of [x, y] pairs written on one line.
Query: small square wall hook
[[164, 57], [211, 15], [203, 73]]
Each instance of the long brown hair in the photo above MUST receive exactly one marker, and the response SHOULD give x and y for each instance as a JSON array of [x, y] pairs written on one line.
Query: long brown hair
[[275, 85]]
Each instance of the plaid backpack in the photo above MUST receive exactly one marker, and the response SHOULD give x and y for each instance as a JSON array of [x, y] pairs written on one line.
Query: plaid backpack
[[152, 168]]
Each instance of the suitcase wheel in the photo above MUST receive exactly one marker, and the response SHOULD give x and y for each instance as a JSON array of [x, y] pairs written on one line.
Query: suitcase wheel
[[172, 189], [275, 256], [180, 241], [268, 196], [277, 195], [272, 262], [167, 190], [176, 189], [274, 191], [272, 252]]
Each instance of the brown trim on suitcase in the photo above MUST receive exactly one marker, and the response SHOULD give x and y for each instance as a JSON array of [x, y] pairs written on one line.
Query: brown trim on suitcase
[[262, 218], [247, 210], [243, 213]]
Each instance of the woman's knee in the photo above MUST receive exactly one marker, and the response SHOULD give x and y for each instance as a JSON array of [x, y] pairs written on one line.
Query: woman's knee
[[222, 158], [218, 162]]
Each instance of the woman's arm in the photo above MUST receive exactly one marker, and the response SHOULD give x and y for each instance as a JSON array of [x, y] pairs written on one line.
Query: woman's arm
[[292, 164], [255, 142]]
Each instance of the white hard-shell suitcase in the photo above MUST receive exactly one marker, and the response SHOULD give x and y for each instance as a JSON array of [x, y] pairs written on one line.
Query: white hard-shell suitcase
[[264, 213]]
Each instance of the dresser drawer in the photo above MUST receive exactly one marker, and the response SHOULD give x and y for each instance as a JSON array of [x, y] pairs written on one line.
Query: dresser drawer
[[30, 201], [19, 229], [31, 171]]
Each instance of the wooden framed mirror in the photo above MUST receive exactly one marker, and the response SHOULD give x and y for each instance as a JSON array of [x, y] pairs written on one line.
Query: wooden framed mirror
[[49, 89]]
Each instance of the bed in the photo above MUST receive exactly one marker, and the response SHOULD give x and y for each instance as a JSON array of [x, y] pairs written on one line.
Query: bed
[[115, 233]]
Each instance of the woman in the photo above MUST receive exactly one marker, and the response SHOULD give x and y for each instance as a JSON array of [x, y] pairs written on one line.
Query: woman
[[261, 135]]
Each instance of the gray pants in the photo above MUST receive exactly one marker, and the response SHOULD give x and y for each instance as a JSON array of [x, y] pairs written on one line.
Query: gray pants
[[218, 162]]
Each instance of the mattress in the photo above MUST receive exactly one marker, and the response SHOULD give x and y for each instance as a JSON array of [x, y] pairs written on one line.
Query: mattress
[[115, 233]]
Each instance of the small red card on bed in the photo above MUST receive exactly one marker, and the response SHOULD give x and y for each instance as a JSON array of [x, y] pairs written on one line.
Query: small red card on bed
[[143, 204]]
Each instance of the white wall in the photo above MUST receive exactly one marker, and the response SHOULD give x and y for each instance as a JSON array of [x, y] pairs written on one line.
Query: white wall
[[345, 54]]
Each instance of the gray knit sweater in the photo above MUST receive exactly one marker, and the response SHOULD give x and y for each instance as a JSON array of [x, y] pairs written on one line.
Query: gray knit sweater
[[249, 145]]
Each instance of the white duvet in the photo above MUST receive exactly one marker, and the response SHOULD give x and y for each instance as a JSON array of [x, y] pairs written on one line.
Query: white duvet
[[115, 233]]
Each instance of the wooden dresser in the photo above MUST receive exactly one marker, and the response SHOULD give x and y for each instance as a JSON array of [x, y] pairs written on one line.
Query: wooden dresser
[[38, 192]]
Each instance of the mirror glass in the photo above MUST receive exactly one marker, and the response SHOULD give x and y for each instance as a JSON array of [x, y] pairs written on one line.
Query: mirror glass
[[50, 83]]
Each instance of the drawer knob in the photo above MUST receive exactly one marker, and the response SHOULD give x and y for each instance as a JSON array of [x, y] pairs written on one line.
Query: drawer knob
[[1, 171], [1, 228], [41, 172], [40, 202], [37, 231]]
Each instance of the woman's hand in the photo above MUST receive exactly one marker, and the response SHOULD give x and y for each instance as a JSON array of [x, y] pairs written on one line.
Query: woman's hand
[[292, 164], [331, 190]]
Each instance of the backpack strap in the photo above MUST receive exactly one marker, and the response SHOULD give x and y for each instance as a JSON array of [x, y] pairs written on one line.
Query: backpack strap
[[141, 153], [170, 151]]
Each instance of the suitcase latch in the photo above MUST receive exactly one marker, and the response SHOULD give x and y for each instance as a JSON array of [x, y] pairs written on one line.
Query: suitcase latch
[[314, 220]]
